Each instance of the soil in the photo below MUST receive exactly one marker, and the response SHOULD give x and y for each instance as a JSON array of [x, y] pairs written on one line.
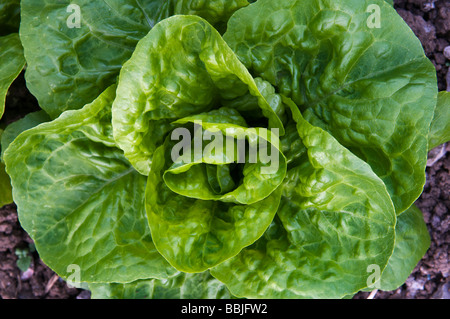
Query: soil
[[430, 21]]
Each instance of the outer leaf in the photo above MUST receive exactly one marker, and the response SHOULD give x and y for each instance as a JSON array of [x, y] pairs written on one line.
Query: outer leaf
[[181, 286], [216, 12], [182, 67], [335, 219], [372, 88], [440, 126], [14, 129], [412, 240], [6, 137], [12, 63], [80, 200], [9, 16], [69, 65], [194, 234], [5, 184], [5, 187]]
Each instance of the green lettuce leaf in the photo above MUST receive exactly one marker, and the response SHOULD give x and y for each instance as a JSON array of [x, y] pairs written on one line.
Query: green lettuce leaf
[[71, 63], [372, 88], [248, 105], [291, 146], [195, 234], [12, 63], [5, 187], [440, 126], [260, 175], [15, 128], [81, 201], [204, 208], [5, 184], [6, 137], [342, 106], [412, 241], [335, 220], [166, 79], [181, 286], [9, 16]]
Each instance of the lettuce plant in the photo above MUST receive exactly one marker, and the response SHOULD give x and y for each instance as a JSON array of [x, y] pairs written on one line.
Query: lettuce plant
[[347, 108]]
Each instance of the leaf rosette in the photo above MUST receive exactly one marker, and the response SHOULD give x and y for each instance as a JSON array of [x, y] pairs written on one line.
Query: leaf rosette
[[278, 159]]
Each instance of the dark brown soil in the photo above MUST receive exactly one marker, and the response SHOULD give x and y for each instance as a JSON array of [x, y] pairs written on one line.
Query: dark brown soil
[[430, 20]]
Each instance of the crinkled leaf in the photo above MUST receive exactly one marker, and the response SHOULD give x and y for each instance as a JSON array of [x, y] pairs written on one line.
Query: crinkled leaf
[[12, 63], [248, 105], [291, 146], [195, 176], [181, 286], [372, 88], [70, 64], [81, 201], [194, 234], [182, 67], [15, 128], [440, 126], [216, 12], [335, 219]]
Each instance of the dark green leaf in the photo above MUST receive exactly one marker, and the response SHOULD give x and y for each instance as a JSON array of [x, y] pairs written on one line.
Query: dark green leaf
[[180, 286], [440, 126], [12, 63], [81, 201], [71, 63], [371, 86]]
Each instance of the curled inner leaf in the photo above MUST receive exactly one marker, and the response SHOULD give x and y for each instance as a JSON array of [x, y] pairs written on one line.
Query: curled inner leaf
[[182, 67], [204, 211]]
